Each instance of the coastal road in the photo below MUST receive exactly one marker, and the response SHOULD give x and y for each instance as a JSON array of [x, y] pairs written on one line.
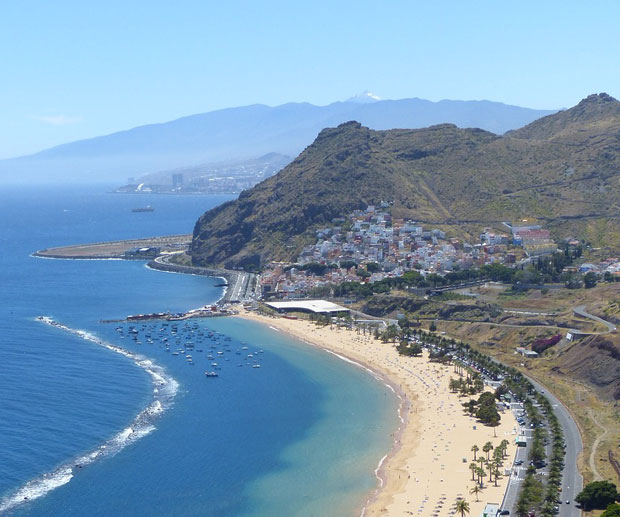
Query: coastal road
[[236, 287], [572, 481], [517, 476], [240, 290]]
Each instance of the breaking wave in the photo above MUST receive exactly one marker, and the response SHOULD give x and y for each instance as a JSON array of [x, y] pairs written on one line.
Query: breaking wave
[[165, 388]]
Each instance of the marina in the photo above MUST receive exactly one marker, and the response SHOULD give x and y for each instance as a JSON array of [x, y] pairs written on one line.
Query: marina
[[184, 336]]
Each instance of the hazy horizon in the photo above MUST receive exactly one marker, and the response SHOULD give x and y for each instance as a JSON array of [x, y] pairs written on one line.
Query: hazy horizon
[[73, 71]]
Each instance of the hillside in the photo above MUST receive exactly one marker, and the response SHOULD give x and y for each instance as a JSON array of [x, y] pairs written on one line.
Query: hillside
[[564, 171], [246, 132], [595, 360], [593, 115]]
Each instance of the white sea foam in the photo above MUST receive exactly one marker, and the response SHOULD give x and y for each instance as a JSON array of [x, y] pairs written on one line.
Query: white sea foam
[[164, 391], [360, 365], [402, 400], [37, 487], [378, 469]]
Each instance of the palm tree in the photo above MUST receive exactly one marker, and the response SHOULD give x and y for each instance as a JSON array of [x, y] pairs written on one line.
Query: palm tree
[[487, 447], [462, 506], [504, 444], [452, 384], [475, 491], [481, 472], [472, 467], [475, 449], [494, 422], [496, 473]]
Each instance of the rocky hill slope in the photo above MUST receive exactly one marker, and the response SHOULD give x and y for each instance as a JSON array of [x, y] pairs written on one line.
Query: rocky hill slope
[[595, 360], [563, 169]]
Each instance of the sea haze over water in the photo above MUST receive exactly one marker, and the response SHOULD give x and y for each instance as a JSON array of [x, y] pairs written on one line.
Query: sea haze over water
[[299, 436]]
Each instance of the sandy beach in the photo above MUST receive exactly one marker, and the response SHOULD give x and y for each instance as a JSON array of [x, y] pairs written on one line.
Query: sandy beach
[[428, 467]]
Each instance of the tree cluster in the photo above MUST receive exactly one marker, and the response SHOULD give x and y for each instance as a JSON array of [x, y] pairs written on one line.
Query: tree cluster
[[598, 495]]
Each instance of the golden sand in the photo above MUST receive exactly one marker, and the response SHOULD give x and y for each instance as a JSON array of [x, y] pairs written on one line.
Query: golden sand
[[428, 467]]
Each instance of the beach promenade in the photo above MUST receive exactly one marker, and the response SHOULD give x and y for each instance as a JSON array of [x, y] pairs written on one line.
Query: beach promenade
[[428, 467]]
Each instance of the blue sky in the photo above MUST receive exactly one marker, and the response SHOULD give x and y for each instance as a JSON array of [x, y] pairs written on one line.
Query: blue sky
[[75, 69]]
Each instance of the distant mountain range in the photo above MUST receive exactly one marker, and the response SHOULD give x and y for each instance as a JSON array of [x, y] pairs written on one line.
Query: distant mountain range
[[247, 132], [563, 169]]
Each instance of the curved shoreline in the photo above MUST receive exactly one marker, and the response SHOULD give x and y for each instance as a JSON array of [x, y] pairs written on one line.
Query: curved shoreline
[[426, 464], [381, 472], [165, 388]]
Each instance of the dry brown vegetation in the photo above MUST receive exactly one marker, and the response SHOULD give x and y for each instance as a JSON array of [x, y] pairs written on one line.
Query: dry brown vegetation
[[584, 374], [563, 169]]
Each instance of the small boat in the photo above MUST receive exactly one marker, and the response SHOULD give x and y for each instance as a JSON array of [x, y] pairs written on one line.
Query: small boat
[[147, 208], [256, 366], [211, 374]]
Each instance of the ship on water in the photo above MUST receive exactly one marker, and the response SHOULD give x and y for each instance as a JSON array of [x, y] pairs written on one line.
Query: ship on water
[[147, 208]]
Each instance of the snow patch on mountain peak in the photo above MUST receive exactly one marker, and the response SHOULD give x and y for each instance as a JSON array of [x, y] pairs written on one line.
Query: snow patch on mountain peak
[[364, 97]]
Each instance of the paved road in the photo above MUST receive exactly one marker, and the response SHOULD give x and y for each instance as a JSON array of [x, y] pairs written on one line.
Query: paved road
[[572, 481], [517, 476], [237, 289], [241, 289], [581, 311]]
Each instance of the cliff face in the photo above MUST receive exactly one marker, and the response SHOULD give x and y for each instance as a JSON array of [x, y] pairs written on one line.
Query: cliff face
[[595, 360], [563, 169]]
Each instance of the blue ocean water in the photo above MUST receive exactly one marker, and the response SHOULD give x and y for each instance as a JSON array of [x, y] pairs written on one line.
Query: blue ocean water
[[301, 435]]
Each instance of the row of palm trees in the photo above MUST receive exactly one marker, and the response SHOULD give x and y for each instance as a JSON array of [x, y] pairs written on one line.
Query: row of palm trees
[[451, 351]]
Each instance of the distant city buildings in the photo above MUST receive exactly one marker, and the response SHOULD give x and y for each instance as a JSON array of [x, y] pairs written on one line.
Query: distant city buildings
[[226, 178], [177, 180]]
